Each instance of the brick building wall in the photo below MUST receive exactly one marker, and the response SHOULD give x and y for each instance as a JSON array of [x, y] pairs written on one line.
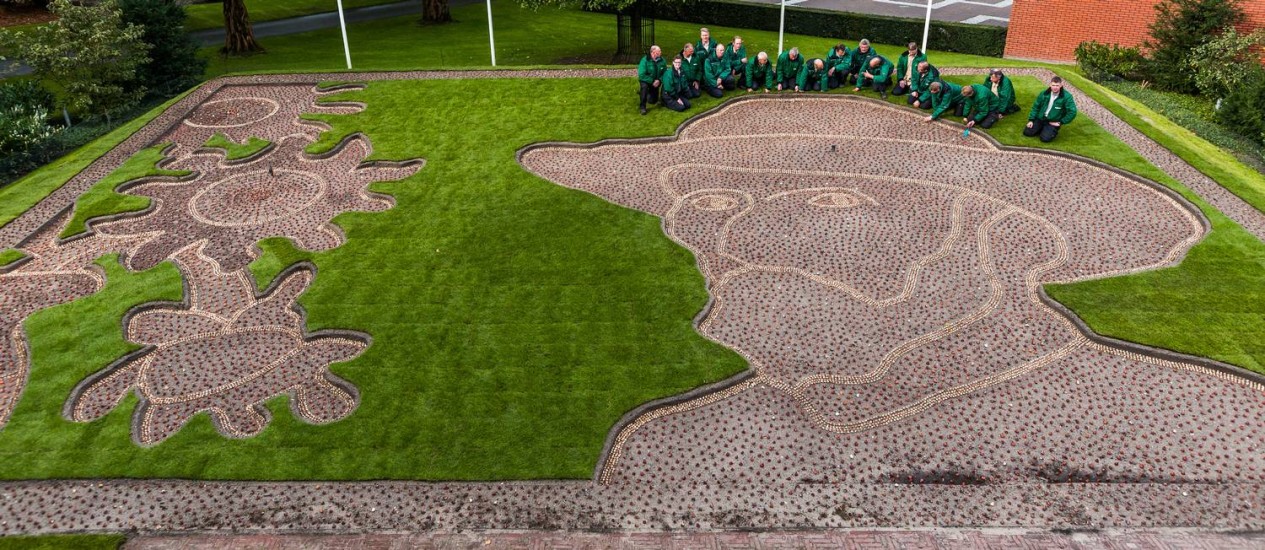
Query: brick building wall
[[1049, 30]]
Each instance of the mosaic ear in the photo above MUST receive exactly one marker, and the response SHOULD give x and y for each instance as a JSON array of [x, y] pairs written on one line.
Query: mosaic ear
[[620, 173]]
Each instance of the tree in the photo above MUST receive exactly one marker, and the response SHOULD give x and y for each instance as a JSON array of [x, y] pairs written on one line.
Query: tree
[[239, 38], [174, 64], [87, 52], [1179, 27], [1225, 63], [435, 11]]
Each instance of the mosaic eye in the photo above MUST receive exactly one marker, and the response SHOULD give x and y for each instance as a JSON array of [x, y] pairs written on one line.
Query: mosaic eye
[[715, 203], [836, 200]]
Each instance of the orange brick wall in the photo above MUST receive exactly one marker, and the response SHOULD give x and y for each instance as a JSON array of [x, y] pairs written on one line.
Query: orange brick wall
[[1049, 30]]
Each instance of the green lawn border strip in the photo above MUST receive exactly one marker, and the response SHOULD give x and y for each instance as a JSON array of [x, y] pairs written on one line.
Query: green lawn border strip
[[1246, 376], [122, 188], [213, 150]]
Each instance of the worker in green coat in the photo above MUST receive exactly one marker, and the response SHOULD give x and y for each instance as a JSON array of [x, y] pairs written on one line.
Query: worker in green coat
[[760, 73], [1003, 93], [1053, 109], [675, 95], [737, 54], [860, 59], [813, 77], [978, 107], [907, 68], [718, 73], [787, 71], [919, 90], [878, 74], [705, 45], [838, 63], [649, 72], [944, 96], [692, 68]]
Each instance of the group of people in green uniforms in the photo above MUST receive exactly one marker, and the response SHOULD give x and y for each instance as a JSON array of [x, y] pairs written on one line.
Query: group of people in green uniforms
[[712, 68]]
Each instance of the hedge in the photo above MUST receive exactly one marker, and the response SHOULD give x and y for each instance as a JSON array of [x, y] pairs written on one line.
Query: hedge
[[986, 40]]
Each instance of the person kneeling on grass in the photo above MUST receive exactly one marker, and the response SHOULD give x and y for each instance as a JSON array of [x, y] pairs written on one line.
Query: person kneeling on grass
[[920, 88], [649, 73], [838, 63], [1003, 93], [860, 59], [675, 87], [760, 73], [813, 77], [877, 74], [717, 73], [906, 69], [1053, 108], [978, 107], [692, 68], [788, 66], [944, 96], [737, 54]]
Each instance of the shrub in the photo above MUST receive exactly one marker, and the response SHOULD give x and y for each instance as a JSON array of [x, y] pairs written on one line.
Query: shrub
[[1109, 61], [173, 65], [1179, 27], [1224, 63], [26, 92], [1241, 110]]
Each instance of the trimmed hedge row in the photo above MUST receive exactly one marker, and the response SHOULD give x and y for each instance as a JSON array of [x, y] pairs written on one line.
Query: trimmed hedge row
[[987, 40]]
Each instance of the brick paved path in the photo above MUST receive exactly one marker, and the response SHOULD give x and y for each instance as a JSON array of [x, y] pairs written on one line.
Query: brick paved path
[[1071, 462]]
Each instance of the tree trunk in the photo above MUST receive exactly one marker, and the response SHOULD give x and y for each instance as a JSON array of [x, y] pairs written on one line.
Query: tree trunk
[[239, 38], [435, 11]]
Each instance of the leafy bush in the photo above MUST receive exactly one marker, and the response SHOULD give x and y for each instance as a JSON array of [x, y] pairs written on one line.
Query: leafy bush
[[952, 37], [1242, 110], [1225, 63], [1109, 61], [23, 128], [26, 92], [173, 65], [1179, 27]]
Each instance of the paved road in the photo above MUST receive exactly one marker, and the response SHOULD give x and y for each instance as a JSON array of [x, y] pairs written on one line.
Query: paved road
[[986, 12]]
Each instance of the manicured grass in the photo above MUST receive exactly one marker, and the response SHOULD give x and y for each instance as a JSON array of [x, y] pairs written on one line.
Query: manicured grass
[[513, 321], [211, 15], [62, 542], [237, 151], [10, 255], [103, 200]]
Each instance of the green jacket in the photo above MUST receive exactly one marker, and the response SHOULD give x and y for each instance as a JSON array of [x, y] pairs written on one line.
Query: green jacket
[[861, 59], [1005, 93], [881, 73], [903, 65], [922, 82], [650, 70], [1063, 111], [841, 63], [736, 56], [979, 105], [717, 67], [692, 68], [759, 75], [950, 95], [810, 74], [674, 83], [788, 68], [706, 51]]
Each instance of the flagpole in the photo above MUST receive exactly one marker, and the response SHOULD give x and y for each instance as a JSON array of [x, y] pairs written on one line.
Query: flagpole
[[342, 23], [491, 40], [781, 26], [926, 27]]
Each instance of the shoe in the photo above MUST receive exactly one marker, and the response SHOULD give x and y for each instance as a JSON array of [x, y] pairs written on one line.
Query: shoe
[[643, 110]]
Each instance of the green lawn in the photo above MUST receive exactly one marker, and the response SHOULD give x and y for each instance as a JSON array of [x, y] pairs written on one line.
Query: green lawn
[[62, 542], [211, 15], [236, 151], [101, 200]]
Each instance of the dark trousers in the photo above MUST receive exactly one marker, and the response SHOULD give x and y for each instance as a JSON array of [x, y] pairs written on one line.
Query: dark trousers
[[1043, 128], [691, 92], [788, 84], [713, 90], [901, 90], [925, 103], [909, 99], [814, 86], [989, 120], [838, 79], [879, 86], [678, 104], [649, 93], [959, 110], [740, 75]]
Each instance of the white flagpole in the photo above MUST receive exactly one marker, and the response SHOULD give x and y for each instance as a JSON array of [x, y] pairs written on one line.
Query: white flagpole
[[343, 25], [781, 26], [491, 40], [926, 28]]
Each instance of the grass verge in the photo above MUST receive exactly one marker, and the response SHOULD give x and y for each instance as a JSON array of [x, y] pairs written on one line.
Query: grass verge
[[103, 200], [62, 542], [211, 15], [236, 151]]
